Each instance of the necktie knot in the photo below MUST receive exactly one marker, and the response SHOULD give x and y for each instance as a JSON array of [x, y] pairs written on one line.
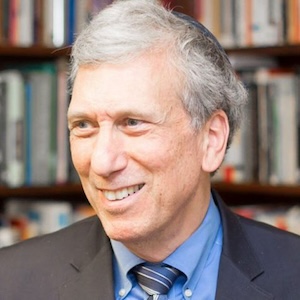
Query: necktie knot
[[155, 279]]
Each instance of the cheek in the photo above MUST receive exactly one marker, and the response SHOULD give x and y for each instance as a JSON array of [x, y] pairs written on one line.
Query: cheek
[[80, 156], [182, 162], [164, 157]]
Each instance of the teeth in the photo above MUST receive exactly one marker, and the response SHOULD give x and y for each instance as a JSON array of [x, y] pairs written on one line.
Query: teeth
[[130, 190], [122, 193]]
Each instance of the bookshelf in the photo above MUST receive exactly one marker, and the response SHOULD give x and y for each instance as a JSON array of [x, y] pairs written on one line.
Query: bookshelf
[[72, 192], [276, 51], [33, 52], [255, 193], [233, 194], [44, 53]]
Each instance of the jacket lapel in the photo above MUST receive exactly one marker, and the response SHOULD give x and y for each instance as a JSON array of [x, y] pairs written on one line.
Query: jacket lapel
[[92, 269], [238, 266], [235, 285]]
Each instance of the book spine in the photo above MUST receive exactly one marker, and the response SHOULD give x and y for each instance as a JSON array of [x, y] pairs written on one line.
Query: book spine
[[62, 131], [13, 22], [71, 21], [38, 16], [28, 132], [14, 128], [3, 130], [47, 39], [41, 155], [26, 23]]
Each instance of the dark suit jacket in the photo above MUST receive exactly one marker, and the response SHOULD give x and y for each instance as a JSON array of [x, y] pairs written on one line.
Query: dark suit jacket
[[258, 262]]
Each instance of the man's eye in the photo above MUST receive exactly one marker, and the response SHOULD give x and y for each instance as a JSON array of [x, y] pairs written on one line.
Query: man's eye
[[133, 122], [82, 125]]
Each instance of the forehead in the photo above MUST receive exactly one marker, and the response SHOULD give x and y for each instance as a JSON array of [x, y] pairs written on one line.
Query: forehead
[[148, 79]]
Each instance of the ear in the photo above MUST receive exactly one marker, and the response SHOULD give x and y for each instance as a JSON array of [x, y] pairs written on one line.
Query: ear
[[215, 141]]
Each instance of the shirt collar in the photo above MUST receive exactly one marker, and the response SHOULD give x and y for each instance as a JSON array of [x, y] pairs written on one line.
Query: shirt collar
[[196, 248], [190, 258]]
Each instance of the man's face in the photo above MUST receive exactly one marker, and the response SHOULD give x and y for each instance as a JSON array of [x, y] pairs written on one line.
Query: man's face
[[138, 158]]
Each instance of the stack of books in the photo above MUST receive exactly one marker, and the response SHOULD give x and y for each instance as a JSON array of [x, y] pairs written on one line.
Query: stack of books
[[247, 23], [51, 23], [34, 148]]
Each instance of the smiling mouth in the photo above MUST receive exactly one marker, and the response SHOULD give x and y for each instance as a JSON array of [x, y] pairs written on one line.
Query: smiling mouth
[[121, 193]]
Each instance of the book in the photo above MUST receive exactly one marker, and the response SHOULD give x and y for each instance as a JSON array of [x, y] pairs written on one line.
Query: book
[[36, 217], [278, 144], [284, 118], [54, 24], [206, 16], [82, 8], [227, 36], [241, 22], [292, 21], [62, 149], [38, 21], [267, 26], [25, 24], [264, 129], [2, 35], [14, 172], [283, 217], [13, 11], [3, 130], [41, 124], [70, 21]]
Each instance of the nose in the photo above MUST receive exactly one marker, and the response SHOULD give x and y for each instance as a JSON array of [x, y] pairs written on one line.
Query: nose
[[108, 155]]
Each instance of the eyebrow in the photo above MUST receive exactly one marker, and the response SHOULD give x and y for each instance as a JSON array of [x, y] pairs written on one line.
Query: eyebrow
[[79, 114], [76, 114]]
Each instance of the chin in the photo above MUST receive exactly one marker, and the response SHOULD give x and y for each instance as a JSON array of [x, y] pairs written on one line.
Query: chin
[[124, 234]]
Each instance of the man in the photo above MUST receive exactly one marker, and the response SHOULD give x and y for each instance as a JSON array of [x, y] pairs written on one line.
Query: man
[[155, 104]]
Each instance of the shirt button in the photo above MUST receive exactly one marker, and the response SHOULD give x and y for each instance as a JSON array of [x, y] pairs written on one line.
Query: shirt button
[[122, 292], [188, 293]]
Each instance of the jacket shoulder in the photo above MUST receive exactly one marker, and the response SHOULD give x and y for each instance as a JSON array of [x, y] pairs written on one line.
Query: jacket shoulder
[[258, 256], [40, 265]]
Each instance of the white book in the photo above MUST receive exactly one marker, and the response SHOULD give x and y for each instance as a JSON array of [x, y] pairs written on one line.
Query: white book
[[227, 34], [267, 22], [241, 24], [285, 129], [2, 129], [26, 23], [54, 23], [15, 115]]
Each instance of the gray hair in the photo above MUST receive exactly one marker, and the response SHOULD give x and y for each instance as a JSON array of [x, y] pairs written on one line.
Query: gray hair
[[129, 28]]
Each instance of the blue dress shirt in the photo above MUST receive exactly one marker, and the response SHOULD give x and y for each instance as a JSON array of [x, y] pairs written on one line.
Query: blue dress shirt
[[197, 258]]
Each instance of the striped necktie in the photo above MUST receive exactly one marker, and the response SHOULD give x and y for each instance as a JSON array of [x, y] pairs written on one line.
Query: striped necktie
[[156, 279]]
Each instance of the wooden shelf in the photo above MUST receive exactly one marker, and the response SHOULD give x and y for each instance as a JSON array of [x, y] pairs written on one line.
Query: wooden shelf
[[255, 193], [285, 55], [33, 52], [72, 192], [279, 51], [233, 194], [44, 52]]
